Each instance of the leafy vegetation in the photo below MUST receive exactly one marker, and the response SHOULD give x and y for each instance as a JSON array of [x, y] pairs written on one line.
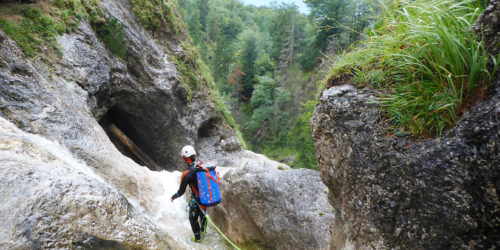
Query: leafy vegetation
[[35, 27], [157, 16], [32, 30], [111, 33], [425, 58], [261, 59]]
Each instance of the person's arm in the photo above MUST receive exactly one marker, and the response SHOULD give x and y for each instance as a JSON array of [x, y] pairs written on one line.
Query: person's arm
[[182, 187]]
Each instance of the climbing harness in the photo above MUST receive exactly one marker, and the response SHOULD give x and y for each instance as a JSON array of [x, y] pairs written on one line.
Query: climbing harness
[[215, 226]]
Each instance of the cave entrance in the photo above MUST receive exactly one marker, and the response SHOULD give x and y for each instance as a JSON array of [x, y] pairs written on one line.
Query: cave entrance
[[148, 125], [119, 128], [144, 127]]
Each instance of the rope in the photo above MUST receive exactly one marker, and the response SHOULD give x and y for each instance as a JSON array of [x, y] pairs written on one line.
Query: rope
[[220, 232], [215, 226]]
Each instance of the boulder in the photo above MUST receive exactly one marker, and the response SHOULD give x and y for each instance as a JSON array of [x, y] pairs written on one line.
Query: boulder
[[271, 206], [395, 192], [487, 27]]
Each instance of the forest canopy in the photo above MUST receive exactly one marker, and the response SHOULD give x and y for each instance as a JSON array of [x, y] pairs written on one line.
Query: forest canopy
[[266, 62], [271, 63]]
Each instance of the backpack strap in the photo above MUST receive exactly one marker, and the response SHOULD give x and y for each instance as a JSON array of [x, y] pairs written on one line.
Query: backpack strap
[[184, 174], [182, 178]]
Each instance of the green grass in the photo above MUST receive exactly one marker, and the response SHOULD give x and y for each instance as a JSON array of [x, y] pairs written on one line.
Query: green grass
[[157, 16], [36, 27], [111, 33], [34, 30], [427, 62]]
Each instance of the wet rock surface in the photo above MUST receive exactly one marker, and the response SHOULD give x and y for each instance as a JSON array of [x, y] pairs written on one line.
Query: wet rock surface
[[50, 200], [265, 202], [393, 192], [488, 27]]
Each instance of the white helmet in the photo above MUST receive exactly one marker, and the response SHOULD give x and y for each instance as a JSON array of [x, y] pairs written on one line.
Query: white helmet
[[188, 151]]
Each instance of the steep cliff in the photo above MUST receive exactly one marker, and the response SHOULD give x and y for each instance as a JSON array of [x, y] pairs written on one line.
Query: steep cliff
[[394, 192], [84, 187], [144, 93]]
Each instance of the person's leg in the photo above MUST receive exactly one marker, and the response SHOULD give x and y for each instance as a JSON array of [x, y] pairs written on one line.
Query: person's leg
[[203, 220], [193, 219]]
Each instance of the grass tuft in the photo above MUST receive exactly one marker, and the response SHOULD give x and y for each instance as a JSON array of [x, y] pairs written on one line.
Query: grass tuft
[[32, 30], [158, 16], [424, 56]]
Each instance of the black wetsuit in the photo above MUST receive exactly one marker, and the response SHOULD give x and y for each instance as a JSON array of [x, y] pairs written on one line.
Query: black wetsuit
[[195, 211]]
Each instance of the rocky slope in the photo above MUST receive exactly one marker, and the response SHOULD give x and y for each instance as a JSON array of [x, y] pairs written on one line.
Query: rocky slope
[[390, 192], [84, 187]]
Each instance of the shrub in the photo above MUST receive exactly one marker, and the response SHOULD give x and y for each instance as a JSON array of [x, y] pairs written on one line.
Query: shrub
[[111, 33]]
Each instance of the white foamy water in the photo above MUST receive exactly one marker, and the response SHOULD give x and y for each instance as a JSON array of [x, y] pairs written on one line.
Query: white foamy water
[[57, 166], [173, 216]]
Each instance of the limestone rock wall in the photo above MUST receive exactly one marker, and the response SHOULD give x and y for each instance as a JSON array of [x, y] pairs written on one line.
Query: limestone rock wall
[[487, 27], [392, 192]]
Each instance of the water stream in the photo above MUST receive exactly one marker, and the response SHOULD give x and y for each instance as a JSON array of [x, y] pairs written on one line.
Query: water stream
[[52, 163]]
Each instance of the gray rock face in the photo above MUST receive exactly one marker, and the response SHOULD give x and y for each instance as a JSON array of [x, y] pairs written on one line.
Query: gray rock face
[[111, 201], [140, 94], [395, 192], [282, 209], [51, 200], [390, 192], [488, 27]]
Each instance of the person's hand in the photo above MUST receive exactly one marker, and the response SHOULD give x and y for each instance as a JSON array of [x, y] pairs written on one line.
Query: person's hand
[[172, 199]]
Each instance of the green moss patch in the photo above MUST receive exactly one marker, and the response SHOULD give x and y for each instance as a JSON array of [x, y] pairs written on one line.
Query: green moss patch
[[158, 16], [36, 27]]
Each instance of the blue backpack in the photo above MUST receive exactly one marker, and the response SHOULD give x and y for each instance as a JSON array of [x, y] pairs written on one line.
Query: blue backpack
[[208, 184]]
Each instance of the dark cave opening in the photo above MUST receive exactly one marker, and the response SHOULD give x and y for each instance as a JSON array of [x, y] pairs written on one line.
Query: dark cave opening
[[209, 127], [120, 127], [147, 125]]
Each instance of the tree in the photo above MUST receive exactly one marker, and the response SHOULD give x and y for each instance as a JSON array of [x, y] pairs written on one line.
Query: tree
[[195, 27], [203, 8], [288, 46], [329, 16], [288, 32], [249, 53], [264, 64], [301, 139], [235, 80], [229, 28]]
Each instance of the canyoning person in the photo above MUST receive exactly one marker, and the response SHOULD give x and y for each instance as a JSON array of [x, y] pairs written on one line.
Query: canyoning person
[[196, 211]]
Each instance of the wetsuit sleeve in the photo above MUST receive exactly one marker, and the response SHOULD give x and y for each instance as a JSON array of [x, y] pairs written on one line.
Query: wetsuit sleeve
[[182, 187]]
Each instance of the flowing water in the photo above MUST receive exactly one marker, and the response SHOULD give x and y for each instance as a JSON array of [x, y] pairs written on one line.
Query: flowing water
[[54, 163]]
